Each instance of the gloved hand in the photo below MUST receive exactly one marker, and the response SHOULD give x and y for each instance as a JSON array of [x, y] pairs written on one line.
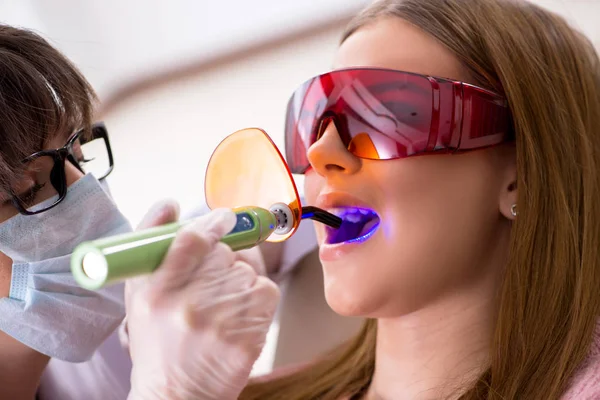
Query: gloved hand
[[199, 322]]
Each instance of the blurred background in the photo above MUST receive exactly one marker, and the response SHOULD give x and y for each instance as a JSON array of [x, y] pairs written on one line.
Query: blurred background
[[235, 62], [241, 61]]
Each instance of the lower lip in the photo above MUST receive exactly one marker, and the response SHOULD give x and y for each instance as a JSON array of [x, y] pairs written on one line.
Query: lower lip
[[334, 252]]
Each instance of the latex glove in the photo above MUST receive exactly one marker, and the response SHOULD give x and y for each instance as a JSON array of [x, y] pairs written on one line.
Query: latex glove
[[254, 256], [199, 322]]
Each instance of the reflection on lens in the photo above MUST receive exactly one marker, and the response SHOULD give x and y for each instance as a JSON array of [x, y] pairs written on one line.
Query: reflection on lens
[[362, 146], [93, 158]]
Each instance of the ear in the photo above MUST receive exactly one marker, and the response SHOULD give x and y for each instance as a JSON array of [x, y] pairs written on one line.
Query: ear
[[508, 191]]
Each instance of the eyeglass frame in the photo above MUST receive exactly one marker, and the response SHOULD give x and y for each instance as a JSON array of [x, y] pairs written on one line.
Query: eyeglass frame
[[60, 156]]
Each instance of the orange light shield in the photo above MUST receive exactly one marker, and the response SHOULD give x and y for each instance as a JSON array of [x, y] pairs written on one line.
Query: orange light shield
[[247, 169]]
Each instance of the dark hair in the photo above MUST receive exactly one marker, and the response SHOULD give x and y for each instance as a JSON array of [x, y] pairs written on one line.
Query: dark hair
[[548, 302], [42, 96]]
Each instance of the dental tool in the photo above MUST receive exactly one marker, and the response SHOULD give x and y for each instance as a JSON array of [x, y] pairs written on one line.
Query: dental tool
[[104, 261]]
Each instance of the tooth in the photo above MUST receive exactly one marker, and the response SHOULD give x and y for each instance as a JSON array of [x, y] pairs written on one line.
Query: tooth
[[354, 218], [344, 212], [336, 211]]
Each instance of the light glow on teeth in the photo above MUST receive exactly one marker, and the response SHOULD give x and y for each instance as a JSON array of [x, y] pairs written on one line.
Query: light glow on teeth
[[341, 212], [354, 218], [358, 225]]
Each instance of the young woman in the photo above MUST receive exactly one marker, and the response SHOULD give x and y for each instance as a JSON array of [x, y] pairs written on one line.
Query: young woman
[[482, 277], [459, 141]]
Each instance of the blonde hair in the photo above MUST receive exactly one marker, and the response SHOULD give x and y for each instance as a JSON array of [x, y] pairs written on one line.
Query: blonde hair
[[549, 301]]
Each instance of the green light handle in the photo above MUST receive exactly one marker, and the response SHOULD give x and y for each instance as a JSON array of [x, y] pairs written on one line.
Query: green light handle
[[100, 262]]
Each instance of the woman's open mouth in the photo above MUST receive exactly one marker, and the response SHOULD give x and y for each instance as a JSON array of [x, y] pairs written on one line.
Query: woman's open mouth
[[358, 225]]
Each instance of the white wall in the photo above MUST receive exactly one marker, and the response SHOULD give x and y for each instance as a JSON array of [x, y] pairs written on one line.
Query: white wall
[[113, 40], [583, 14]]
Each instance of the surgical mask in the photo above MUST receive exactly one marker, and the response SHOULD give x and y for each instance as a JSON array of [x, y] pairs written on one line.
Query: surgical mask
[[46, 309]]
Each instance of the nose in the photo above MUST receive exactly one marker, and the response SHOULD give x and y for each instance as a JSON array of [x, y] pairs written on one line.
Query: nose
[[328, 154]]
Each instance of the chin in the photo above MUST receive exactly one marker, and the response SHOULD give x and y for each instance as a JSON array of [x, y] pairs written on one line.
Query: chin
[[351, 300]]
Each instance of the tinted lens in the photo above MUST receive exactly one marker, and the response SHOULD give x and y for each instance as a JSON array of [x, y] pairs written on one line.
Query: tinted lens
[[246, 169], [43, 184], [92, 157], [301, 126], [379, 114]]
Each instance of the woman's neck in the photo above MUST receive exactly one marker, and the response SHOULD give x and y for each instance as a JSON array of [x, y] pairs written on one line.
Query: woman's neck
[[437, 351]]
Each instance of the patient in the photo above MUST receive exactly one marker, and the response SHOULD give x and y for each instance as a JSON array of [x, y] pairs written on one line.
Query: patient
[[460, 145]]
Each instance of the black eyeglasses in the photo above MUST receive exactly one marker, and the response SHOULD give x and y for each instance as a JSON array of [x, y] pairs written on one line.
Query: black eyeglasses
[[45, 185]]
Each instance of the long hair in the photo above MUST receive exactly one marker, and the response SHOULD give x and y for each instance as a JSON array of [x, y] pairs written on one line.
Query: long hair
[[549, 301]]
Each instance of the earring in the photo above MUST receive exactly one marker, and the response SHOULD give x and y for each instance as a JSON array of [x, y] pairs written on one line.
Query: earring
[[513, 210]]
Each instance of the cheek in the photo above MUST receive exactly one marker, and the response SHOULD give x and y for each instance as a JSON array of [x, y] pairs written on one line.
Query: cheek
[[72, 173], [7, 211], [442, 223], [5, 274], [428, 224], [446, 200]]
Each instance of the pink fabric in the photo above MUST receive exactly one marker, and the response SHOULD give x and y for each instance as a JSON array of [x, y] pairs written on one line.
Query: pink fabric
[[585, 385]]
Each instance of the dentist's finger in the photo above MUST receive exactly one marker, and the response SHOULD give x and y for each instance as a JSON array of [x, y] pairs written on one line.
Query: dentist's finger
[[161, 213], [191, 246]]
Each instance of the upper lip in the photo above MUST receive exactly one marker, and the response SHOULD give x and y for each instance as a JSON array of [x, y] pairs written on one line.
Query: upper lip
[[331, 200]]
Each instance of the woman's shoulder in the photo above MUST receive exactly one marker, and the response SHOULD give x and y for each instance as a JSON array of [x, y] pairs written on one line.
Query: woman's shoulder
[[586, 382]]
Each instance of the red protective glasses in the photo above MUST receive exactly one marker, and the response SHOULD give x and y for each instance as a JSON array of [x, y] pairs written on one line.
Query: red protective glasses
[[383, 114]]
